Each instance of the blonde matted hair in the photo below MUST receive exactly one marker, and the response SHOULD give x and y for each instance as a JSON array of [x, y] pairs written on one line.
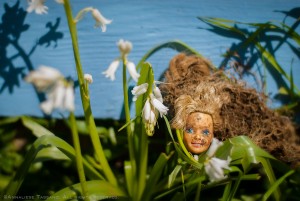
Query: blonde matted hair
[[207, 98]]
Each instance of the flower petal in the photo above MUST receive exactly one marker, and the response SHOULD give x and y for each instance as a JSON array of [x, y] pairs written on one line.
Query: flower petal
[[88, 78], [157, 93], [124, 46], [43, 78], [110, 72], [215, 144], [59, 95], [69, 99], [158, 105], [132, 71], [100, 19], [47, 106], [139, 90], [37, 6]]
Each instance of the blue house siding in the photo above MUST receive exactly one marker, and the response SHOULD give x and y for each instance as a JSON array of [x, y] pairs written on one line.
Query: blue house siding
[[144, 23]]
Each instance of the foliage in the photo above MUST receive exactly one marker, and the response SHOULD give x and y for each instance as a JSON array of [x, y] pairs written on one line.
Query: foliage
[[97, 154]]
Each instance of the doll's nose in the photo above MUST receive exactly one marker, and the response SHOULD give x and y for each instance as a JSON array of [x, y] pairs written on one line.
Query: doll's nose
[[201, 138]]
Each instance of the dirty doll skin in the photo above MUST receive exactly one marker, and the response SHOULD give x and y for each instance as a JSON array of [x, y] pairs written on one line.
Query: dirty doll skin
[[198, 132]]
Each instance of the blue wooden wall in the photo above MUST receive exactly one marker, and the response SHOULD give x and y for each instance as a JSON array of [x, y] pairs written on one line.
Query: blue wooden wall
[[145, 23]]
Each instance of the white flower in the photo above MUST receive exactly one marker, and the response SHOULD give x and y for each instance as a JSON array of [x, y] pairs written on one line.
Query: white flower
[[124, 46], [158, 105], [44, 77], [100, 20], [132, 71], [149, 117], [139, 90], [69, 98], [152, 107], [61, 97], [59, 92], [60, 1], [214, 168], [157, 93], [148, 113], [110, 72], [215, 144], [37, 6], [88, 78]]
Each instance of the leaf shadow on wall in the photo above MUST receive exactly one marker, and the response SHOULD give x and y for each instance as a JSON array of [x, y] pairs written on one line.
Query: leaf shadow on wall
[[254, 41], [11, 29]]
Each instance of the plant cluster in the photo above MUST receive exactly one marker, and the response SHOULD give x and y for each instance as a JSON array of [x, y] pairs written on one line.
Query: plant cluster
[[223, 172]]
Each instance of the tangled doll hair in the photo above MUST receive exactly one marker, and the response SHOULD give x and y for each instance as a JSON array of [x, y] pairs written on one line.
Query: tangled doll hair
[[191, 85]]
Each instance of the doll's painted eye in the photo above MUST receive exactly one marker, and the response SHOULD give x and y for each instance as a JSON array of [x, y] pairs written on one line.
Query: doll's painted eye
[[189, 130], [205, 132]]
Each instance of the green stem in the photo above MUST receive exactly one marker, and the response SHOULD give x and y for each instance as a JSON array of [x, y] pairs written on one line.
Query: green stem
[[128, 128], [79, 162], [86, 101]]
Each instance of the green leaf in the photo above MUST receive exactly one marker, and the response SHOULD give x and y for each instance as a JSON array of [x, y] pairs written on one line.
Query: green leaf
[[98, 190], [36, 128], [50, 153], [154, 176], [173, 175], [41, 143], [276, 184], [270, 175], [128, 176], [176, 45]]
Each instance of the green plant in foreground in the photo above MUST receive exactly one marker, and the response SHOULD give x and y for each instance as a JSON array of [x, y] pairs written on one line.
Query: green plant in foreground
[[175, 175]]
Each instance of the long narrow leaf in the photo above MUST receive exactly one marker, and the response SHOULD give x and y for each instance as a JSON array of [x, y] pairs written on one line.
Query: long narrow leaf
[[41, 143], [98, 190], [154, 176], [276, 184]]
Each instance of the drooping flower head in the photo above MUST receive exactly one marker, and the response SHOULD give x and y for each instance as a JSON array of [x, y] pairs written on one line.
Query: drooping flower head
[[153, 106], [59, 91], [101, 21], [214, 167], [38, 6], [125, 48]]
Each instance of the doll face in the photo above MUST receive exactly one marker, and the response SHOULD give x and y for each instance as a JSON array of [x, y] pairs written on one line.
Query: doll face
[[198, 132]]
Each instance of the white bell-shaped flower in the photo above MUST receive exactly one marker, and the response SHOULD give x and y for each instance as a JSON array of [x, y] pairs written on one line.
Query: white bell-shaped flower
[[101, 21], [139, 90], [163, 110], [37, 6], [132, 71], [44, 77], [111, 71]]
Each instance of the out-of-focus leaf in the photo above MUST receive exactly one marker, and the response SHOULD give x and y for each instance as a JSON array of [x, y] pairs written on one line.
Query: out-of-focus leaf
[[128, 176], [43, 142], [36, 128], [173, 175], [276, 184], [50, 153], [154, 176], [97, 189]]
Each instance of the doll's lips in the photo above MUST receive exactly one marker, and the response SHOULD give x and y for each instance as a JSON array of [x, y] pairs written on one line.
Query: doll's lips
[[198, 144]]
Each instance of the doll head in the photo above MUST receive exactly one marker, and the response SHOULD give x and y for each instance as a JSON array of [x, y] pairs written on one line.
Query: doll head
[[192, 86], [198, 132], [197, 115]]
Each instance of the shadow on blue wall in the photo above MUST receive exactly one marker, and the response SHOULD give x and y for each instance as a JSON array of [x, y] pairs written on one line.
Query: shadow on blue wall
[[11, 29], [243, 55]]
